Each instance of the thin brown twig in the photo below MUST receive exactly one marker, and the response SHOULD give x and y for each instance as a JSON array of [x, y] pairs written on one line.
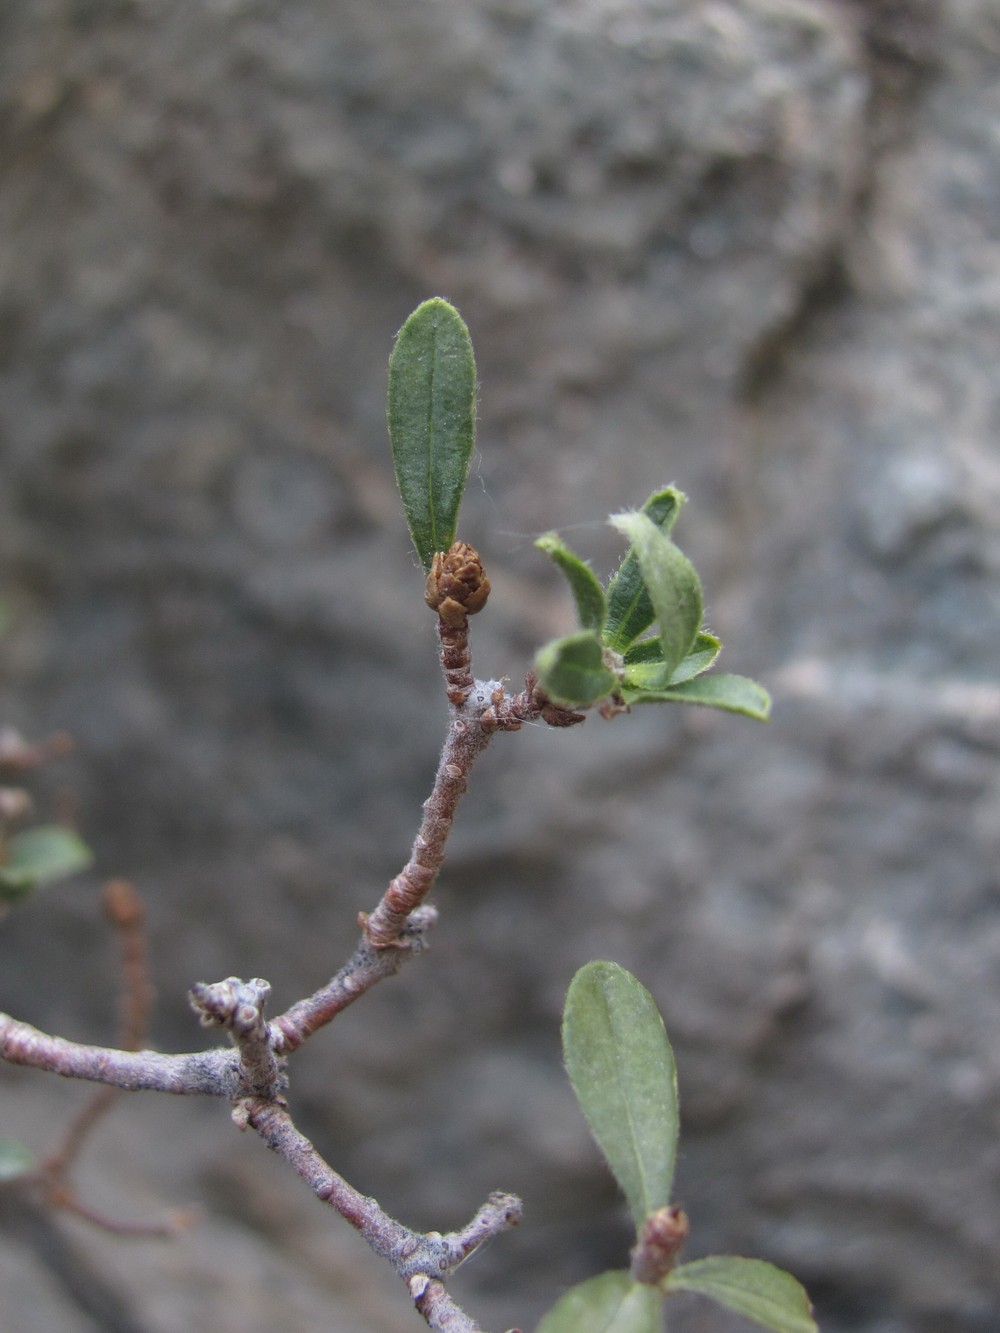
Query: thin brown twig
[[123, 907], [164, 1228]]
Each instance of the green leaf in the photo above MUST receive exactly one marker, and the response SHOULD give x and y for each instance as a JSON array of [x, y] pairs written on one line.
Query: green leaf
[[432, 421], [704, 651], [622, 1070], [644, 650], [733, 694], [15, 1159], [609, 1303], [587, 591], [645, 668], [630, 611], [572, 670], [767, 1295], [39, 855], [672, 584]]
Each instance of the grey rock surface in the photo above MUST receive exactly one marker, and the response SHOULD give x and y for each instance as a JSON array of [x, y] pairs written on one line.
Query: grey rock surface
[[748, 247]]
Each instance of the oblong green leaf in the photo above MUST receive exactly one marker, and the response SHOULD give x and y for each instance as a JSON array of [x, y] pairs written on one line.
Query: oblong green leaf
[[432, 421], [572, 670], [40, 855], [671, 581], [622, 1070], [608, 1303], [767, 1295], [630, 611], [584, 584], [15, 1159], [732, 694]]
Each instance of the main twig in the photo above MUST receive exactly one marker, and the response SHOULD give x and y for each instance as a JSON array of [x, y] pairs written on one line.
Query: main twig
[[252, 1074]]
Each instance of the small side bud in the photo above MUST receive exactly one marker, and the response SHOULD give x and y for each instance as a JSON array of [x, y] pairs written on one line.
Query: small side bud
[[660, 1240], [121, 903], [15, 804], [457, 587]]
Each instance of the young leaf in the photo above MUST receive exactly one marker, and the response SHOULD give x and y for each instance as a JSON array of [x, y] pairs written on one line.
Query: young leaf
[[767, 1295], [609, 1303], [432, 421], [39, 855], [644, 650], [672, 584], [572, 672], [587, 591], [646, 670], [704, 651], [630, 611], [622, 1070], [733, 694], [15, 1159]]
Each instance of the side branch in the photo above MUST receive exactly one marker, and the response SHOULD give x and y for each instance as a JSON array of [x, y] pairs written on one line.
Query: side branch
[[421, 1259], [204, 1073]]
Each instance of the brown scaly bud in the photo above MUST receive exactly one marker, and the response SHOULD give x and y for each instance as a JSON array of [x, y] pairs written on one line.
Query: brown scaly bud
[[456, 586]]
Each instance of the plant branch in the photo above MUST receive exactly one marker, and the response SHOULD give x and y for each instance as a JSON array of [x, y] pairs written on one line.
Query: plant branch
[[364, 969], [238, 1006], [465, 741], [422, 1260], [214, 1073]]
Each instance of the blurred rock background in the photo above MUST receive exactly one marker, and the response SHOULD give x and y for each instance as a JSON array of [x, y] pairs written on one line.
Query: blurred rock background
[[751, 247]]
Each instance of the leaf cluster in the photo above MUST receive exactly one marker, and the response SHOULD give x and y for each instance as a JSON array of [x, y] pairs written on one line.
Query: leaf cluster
[[622, 1069], [641, 638]]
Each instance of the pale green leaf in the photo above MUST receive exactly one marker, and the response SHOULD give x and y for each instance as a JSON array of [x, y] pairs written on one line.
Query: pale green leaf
[[733, 694], [630, 611], [759, 1291], [622, 1070], [572, 671], [704, 651], [609, 1303], [40, 855], [584, 584], [672, 584], [432, 421], [15, 1159], [646, 670]]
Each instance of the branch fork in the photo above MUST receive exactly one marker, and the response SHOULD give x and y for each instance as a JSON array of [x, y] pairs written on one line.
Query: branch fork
[[252, 1075]]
